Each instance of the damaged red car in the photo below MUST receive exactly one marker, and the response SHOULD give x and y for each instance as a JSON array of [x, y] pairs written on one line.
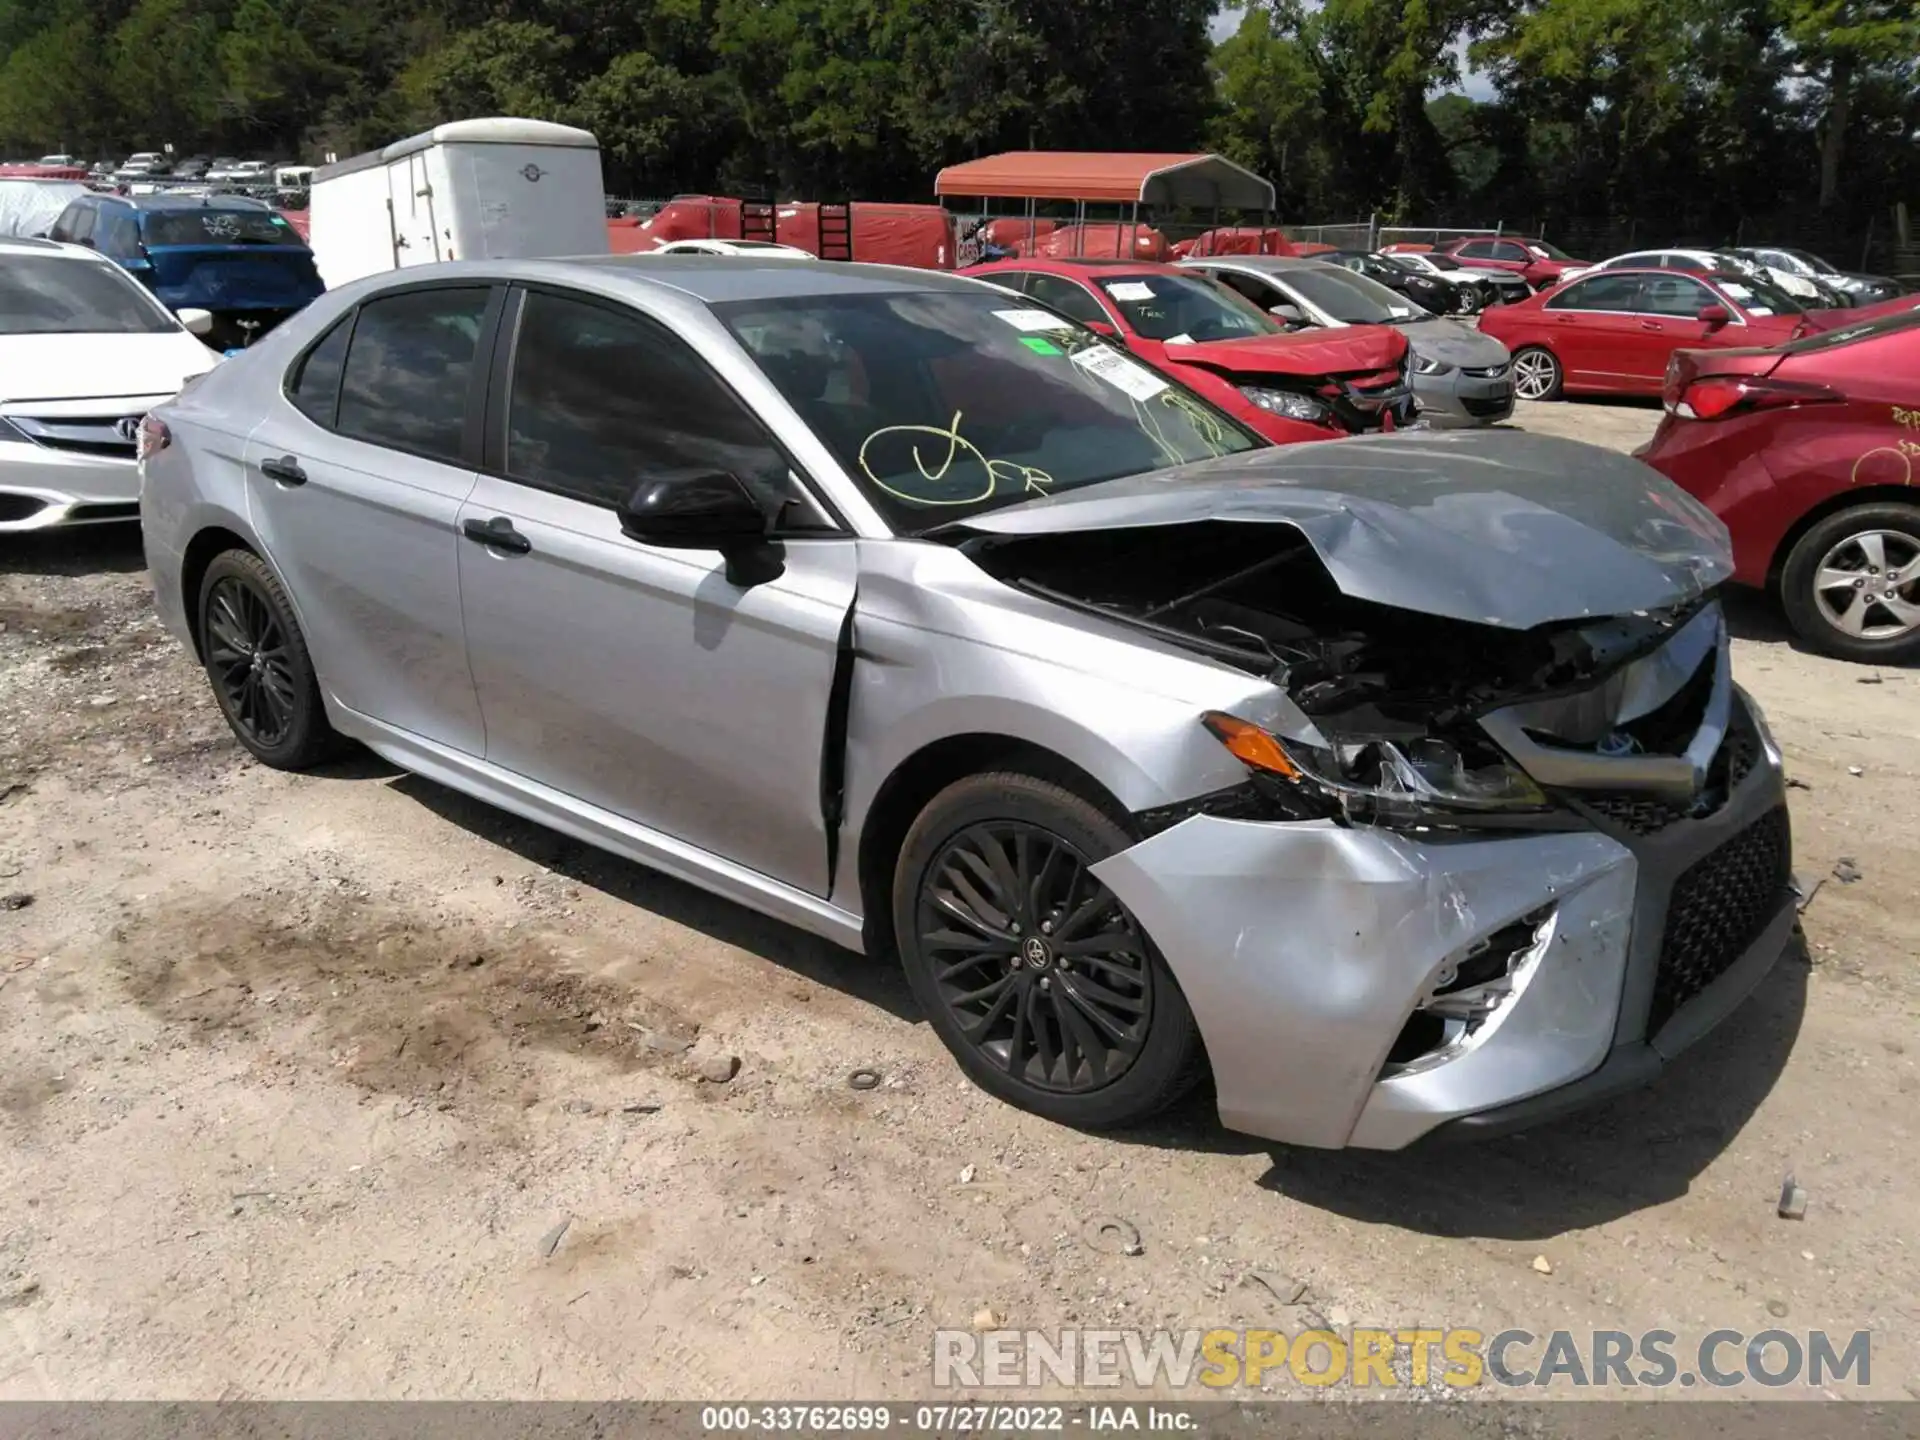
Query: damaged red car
[[1288, 387]]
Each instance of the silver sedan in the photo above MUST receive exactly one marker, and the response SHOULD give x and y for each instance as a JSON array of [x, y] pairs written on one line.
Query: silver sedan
[[1400, 781], [1459, 376]]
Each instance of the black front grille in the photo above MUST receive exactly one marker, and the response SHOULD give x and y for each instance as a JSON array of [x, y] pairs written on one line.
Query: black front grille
[[1719, 907], [1486, 407], [20, 507], [1486, 372]]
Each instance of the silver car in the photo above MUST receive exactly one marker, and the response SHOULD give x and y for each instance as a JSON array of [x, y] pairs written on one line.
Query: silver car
[[1400, 781], [1459, 375]]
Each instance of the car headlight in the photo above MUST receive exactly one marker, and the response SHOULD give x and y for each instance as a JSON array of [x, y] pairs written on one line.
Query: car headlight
[[1426, 780], [1288, 403], [1427, 365]]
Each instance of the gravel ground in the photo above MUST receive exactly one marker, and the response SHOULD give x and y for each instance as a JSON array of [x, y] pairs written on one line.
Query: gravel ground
[[343, 1085]]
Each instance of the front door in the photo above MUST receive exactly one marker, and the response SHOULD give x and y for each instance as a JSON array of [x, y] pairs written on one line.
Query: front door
[[355, 481], [1594, 326], [640, 679], [1669, 307]]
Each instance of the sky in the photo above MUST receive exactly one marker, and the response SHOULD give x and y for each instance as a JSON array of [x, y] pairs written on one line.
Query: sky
[[1227, 19]]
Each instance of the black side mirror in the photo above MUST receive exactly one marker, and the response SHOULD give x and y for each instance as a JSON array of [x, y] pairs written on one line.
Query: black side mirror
[[706, 510]]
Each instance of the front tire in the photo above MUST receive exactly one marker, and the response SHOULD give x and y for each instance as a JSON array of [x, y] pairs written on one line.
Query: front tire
[[1536, 373], [257, 662], [1851, 585], [1032, 973]]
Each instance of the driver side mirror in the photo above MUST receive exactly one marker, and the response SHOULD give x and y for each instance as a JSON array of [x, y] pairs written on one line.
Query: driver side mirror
[[1288, 312], [1714, 316], [706, 510], [195, 322]]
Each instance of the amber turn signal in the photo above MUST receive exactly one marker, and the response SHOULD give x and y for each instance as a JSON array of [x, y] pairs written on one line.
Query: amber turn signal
[[1250, 744]]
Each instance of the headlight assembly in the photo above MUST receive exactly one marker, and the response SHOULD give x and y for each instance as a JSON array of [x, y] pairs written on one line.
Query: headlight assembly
[[1428, 780], [1427, 365], [1288, 403]]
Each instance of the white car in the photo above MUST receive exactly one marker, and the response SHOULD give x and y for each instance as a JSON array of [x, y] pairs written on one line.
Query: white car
[[758, 249], [85, 352], [1708, 262]]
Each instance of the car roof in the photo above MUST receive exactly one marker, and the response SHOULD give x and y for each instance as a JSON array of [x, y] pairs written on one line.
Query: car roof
[[1272, 263], [1067, 264], [160, 203], [32, 245], [717, 279]]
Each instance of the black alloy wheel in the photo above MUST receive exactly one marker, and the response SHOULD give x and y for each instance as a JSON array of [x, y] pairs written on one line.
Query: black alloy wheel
[[1046, 989], [247, 655], [1043, 970], [257, 662]]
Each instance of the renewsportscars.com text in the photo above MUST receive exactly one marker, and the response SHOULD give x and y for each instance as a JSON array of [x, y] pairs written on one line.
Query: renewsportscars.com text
[[1415, 1357]]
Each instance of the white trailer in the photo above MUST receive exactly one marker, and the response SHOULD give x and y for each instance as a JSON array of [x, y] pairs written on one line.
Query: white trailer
[[492, 189]]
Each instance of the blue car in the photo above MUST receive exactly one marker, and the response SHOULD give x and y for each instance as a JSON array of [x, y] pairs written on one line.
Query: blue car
[[236, 257]]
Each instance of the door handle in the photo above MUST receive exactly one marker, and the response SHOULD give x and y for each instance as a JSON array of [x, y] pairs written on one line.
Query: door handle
[[497, 534], [284, 471], [1651, 325]]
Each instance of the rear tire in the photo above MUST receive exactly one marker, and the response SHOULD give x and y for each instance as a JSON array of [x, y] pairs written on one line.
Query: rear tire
[[1851, 585], [1536, 374], [1057, 1003], [257, 663]]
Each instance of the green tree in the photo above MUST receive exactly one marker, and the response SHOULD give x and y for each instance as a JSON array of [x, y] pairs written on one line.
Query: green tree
[[1838, 45]]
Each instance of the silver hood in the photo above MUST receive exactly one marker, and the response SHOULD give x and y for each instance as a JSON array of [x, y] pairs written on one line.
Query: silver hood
[[1452, 343], [1498, 528]]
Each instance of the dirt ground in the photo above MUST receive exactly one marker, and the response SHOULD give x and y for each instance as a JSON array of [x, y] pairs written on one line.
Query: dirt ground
[[302, 1077]]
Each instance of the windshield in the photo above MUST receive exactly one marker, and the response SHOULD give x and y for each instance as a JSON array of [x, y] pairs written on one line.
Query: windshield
[[1759, 297], [942, 405], [1813, 262], [54, 295], [212, 226], [1354, 299], [1544, 251], [1184, 309]]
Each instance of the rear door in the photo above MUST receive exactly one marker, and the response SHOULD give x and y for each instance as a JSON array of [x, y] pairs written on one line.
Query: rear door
[[355, 482], [1593, 325], [641, 679]]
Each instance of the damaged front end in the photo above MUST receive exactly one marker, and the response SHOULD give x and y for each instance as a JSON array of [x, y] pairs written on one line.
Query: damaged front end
[[1531, 838]]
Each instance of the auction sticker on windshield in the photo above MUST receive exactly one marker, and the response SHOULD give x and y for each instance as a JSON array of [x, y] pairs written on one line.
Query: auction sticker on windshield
[[1118, 371], [1130, 290], [1032, 320]]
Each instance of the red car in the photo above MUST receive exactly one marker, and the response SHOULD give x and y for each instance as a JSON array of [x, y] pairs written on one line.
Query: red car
[[1612, 332], [1540, 263], [1810, 452], [1311, 385]]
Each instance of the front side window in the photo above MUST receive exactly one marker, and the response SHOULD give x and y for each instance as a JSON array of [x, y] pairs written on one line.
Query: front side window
[[1184, 309], [1477, 250], [1674, 295], [942, 404], [409, 368], [63, 295], [602, 397], [1602, 292], [1510, 251], [1068, 298]]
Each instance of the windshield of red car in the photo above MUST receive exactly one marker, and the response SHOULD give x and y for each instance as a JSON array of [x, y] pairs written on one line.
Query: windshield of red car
[[1757, 296], [1544, 251], [941, 405], [1183, 309]]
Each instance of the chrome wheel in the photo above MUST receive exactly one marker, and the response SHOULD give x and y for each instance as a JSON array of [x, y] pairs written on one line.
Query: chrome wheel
[[1865, 585], [247, 655], [1536, 375], [1042, 970]]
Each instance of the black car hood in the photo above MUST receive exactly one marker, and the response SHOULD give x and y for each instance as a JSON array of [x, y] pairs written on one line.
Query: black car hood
[[1498, 528]]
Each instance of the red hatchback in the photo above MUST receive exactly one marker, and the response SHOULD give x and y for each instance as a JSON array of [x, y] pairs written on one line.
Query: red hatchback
[[1313, 385], [1536, 261], [1810, 452], [1612, 332]]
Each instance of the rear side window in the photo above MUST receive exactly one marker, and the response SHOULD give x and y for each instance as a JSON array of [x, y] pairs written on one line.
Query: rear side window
[[80, 224], [602, 397], [409, 369], [314, 387], [1602, 292]]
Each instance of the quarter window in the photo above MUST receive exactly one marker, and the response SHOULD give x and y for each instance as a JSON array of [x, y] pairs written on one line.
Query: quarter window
[[1602, 292], [315, 387], [409, 369], [602, 398]]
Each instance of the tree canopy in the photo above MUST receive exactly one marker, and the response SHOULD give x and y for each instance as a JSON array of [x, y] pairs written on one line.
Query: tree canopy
[[1681, 113]]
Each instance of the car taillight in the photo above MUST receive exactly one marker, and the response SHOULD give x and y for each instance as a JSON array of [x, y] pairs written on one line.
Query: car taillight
[[152, 438], [1714, 397]]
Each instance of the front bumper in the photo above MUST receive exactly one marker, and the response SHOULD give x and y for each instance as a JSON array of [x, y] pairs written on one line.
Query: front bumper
[[41, 488], [1463, 399], [1304, 951]]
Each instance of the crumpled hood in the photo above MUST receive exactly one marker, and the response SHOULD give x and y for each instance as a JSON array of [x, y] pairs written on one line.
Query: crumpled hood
[[1499, 528], [1452, 342], [1356, 349]]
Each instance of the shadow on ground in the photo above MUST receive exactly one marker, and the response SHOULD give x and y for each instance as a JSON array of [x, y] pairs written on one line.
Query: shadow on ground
[[880, 984], [84, 550]]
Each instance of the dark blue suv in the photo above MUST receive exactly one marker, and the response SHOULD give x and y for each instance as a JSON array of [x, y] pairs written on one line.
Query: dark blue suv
[[238, 258]]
